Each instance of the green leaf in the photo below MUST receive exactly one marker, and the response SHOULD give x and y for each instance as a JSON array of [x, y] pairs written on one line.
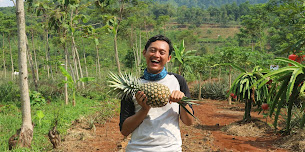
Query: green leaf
[[39, 114], [186, 110], [85, 18], [283, 70], [87, 79], [96, 41], [290, 61], [62, 40], [66, 74], [292, 81], [72, 29]]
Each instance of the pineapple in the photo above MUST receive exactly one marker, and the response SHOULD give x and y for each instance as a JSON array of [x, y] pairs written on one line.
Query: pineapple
[[157, 94]]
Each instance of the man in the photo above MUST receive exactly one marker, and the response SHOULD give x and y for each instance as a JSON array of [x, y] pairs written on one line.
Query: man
[[156, 129]]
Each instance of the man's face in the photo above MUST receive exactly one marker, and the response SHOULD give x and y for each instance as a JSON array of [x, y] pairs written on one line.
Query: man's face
[[157, 55]]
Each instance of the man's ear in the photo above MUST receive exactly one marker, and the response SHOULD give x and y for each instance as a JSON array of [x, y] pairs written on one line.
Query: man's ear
[[169, 58], [143, 52]]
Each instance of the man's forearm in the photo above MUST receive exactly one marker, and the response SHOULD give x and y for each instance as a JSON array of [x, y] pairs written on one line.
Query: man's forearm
[[132, 122], [185, 117]]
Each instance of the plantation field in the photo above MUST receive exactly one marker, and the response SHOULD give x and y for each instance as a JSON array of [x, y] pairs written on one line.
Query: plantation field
[[213, 131]]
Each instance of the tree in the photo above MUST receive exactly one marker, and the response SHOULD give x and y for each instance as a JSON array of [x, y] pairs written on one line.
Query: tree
[[286, 24], [25, 134], [43, 8], [116, 14], [254, 24], [3, 50], [10, 24], [199, 67]]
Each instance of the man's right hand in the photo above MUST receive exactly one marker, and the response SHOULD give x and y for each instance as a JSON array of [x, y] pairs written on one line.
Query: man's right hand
[[132, 122], [142, 99]]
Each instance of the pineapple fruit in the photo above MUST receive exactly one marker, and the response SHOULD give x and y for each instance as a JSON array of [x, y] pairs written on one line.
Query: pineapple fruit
[[157, 94]]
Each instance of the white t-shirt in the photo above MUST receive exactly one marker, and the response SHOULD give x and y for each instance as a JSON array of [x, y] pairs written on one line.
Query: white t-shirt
[[159, 131]]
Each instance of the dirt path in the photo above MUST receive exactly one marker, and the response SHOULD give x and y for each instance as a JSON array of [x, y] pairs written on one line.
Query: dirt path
[[204, 135]]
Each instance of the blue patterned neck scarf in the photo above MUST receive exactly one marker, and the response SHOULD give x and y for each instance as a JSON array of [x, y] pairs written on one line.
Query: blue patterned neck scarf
[[154, 77]]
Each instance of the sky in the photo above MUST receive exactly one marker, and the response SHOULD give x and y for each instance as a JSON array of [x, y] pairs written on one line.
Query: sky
[[5, 3]]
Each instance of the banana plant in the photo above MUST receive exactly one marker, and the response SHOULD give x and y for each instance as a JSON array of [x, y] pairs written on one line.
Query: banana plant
[[241, 87], [288, 89], [182, 56]]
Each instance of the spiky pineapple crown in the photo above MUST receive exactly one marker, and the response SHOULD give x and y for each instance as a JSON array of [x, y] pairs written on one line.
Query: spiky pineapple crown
[[125, 85]]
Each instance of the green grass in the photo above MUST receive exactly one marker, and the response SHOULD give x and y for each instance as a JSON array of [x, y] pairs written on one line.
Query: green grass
[[10, 119]]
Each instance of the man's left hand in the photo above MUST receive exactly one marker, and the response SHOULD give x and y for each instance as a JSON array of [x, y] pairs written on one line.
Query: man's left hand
[[176, 96]]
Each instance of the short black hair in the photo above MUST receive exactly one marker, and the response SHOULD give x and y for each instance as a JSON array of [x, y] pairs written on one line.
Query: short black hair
[[160, 38]]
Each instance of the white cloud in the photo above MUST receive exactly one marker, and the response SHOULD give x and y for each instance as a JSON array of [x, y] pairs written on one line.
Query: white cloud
[[6, 3]]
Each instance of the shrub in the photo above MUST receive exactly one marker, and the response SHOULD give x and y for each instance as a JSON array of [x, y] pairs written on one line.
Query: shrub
[[212, 90], [9, 92], [36, 98]]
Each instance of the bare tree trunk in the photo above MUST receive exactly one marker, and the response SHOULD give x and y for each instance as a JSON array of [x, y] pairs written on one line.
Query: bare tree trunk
[[12, 62], [66, 67], [98, 61], [47, 53], [139, 54], [85, 64], [26, 133], [116, 53], [146, 30], [219, 74], [31, 65], [86, 69], [74, 50], [252, 45], [135, 60], [4, 66], [78, 60], [73, 99], [210, 78], [35, 60], [199, 94], [75, 65], [230, 83]]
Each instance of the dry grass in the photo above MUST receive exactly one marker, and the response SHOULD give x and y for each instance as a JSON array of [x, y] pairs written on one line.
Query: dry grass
[[246, 130], [255, 128], [295, 141]]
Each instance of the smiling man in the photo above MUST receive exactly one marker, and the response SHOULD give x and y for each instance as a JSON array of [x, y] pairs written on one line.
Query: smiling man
[[156, 129]]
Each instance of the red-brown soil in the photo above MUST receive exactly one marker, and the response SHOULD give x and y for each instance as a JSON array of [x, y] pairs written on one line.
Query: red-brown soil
[[205, 135]]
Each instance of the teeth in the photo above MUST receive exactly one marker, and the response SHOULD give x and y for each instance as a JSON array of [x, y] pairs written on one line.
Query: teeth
[[155, 61]]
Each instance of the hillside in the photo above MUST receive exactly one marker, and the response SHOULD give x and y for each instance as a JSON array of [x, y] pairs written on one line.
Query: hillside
[[206, 3]]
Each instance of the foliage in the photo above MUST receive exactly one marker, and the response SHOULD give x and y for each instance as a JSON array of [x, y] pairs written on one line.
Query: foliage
[[8, 109], [288, 88], [245, 89], [290, 16], [71, 82], [9, 92], [36, 98], [181, 57], [11, 120], [215, 90], [297, 113], [206, 3]]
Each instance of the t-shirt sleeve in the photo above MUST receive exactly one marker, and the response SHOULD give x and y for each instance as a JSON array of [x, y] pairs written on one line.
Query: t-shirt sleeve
[[127, 110]]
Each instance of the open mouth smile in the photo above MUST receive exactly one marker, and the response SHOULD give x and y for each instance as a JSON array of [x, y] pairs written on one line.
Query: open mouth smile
[[155, 61]]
